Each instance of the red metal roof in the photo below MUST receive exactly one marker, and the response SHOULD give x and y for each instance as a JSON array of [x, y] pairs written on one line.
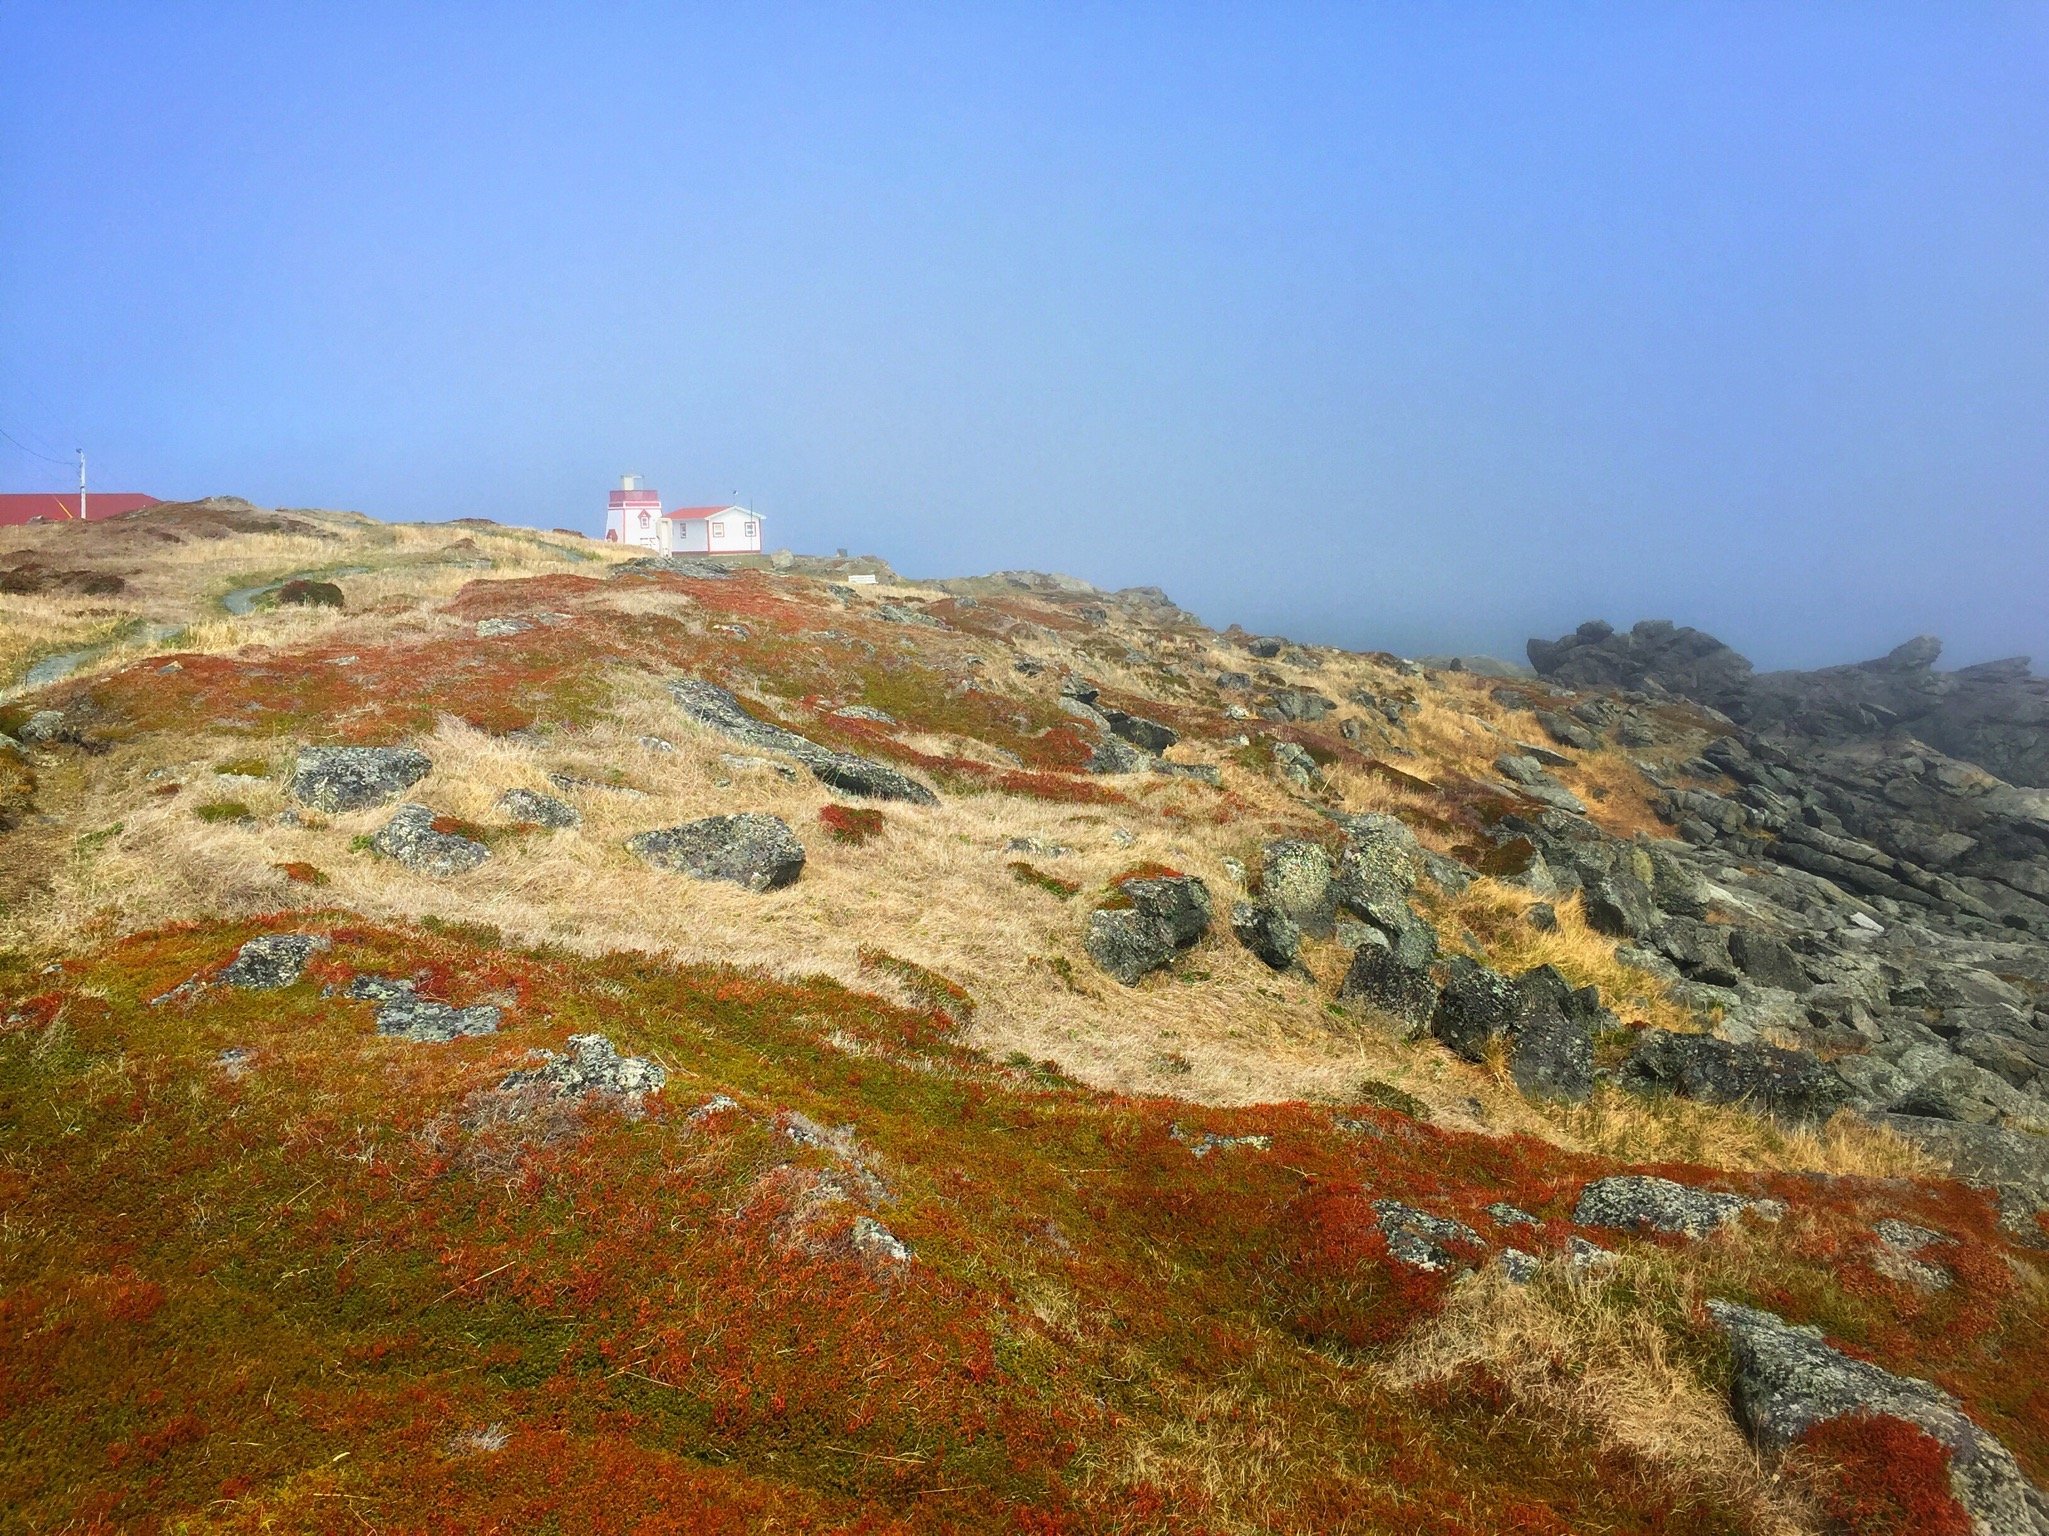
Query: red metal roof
[[17, 508], [699, 514]]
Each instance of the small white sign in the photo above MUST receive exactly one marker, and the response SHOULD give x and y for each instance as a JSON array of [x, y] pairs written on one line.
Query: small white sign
[[861, 581]]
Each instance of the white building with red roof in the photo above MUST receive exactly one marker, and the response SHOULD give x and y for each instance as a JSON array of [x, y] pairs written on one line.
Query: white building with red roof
[[634, 515], [711, 531]]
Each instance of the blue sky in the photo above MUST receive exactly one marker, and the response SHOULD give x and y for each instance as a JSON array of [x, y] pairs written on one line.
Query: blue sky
[[1429, 327]]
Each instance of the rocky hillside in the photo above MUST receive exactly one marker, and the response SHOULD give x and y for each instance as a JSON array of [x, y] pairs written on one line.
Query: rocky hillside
[[500, 1035]]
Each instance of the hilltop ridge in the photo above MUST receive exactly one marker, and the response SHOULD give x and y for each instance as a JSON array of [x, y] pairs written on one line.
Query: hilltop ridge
[[500, 1032]]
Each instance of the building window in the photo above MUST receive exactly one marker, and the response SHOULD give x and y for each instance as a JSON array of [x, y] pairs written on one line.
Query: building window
[[750, 528], [643, 519]]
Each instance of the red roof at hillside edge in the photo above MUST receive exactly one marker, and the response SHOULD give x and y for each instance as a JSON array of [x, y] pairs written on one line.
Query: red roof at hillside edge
[[699, 514], [17, 508]]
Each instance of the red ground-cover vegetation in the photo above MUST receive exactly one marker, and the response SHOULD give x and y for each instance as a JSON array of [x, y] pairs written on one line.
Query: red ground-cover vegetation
[[746, 632], [1889, 1478], [851, 824], [268, 1269]]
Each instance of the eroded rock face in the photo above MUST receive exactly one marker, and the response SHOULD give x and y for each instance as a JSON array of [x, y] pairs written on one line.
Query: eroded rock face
[[410, 838], [1789, 1378], [716, 708], [336, 779], [1656, 651], [1995, 714], [754, 850]]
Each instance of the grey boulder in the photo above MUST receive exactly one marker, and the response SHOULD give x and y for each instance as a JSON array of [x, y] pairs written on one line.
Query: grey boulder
[[1478, 1004], [1268, 932], [410, 839], [1789, 1379], [1381, 979], [1619, 904], [719, 710], [1635, 1202], [1166, 916], [533, 808], [1146, 735], [336, 779], [272, 961], [1295, 880], [1551, 1053], [1791, 1085], [754, 850]]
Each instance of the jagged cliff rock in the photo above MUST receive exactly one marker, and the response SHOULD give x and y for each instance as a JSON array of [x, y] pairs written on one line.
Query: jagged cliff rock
[[1994, 714]]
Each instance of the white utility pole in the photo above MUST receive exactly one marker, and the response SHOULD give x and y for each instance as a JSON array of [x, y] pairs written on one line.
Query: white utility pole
[[81, 485]]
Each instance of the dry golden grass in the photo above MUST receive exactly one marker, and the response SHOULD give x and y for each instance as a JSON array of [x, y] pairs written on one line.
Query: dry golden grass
[[1490, 920], [1596, 1355], [32, 627], [935, 888], [179, 586]]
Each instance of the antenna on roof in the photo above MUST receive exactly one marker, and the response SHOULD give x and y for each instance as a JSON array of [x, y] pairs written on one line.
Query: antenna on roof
[[81, 485]]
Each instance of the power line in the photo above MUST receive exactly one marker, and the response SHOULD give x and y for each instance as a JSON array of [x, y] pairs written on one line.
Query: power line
[[24, 447]]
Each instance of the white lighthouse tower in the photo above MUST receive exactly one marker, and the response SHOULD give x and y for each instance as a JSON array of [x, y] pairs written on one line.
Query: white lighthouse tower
[[633, 515]]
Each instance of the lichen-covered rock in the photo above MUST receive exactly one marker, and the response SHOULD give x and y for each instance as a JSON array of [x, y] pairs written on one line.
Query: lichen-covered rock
[[1477, 1005], [1792, 1085], [272, 961], [336, 779], [1898, 1254], [1382, 980], [1146, 735], [1166, 915], [1551, 1052], [717, 709], [1379, 867], [591, 1064], [411, 839], [1619, 904], [755, 850], [1700, 950], [1418, 1239], [1633, 1202], [1961, 1090], [1789, 1379], [1295, 880], [1113, 755], [1768, 960], [533, 808], [1267, 932], [403, 1014]]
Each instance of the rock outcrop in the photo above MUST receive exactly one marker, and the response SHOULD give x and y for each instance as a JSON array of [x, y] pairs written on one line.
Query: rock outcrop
[[1156, 918], [717, 709], [336, 779], [1789, 1379], [753, 850]]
